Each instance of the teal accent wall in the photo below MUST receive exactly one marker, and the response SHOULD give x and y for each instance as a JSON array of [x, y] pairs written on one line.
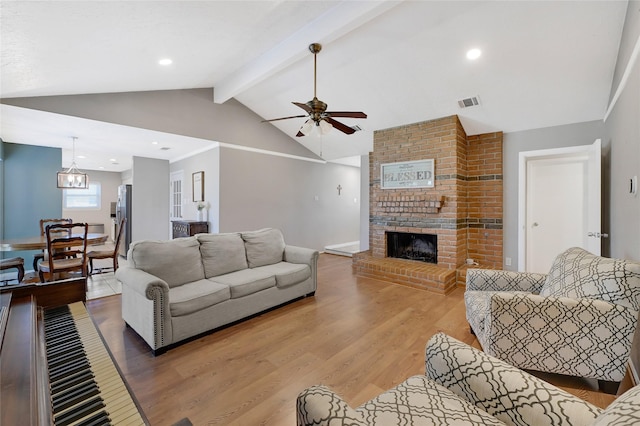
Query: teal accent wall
[[29, 191], [1, 189]]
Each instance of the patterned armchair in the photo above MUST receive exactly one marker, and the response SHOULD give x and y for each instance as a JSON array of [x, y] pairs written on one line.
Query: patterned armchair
[[464, 386], [578, 320]]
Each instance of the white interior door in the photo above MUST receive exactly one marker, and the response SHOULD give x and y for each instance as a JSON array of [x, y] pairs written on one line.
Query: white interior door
[[561, 207]]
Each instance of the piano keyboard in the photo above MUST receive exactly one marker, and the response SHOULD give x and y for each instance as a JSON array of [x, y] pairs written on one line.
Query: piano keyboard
[[86, 388]]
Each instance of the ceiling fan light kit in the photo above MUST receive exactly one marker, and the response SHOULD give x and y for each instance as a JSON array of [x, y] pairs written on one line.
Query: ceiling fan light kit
[[317, 110]]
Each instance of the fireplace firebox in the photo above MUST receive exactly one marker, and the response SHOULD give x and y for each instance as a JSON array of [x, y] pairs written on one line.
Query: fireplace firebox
[[422, 247]]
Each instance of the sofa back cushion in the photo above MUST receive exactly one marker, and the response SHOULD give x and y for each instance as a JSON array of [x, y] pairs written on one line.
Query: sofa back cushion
[[175, 261], [263, 247], [577, 274], [222, 253]]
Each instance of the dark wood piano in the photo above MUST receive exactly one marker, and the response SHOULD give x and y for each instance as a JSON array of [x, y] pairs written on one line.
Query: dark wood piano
[[55, 368]]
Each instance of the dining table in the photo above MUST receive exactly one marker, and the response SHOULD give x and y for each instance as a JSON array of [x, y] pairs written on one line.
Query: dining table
[[40, 242]]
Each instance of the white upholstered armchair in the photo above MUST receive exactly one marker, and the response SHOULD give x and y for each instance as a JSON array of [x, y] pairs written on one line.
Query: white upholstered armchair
[[578, 320], [464, 386]]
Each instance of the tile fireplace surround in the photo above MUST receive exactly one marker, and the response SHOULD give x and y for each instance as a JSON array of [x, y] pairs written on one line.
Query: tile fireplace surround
[[467, 193]]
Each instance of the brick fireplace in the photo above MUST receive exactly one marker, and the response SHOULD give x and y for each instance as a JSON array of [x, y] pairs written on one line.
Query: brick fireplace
[[463, 209]]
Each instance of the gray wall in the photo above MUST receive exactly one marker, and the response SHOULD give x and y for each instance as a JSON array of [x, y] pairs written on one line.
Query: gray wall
[[209, 163], [243, 177], [530, 140], [630, 34], [622, 129], [364, 202], [189, 112], [150, 195], [30, 192], [2, 190], [260, 190]]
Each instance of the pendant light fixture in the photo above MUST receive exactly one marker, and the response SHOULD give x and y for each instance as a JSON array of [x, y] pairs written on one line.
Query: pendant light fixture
[[73, 178]]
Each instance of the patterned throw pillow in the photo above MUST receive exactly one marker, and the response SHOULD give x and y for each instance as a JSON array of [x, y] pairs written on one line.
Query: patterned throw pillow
[[578, 274]]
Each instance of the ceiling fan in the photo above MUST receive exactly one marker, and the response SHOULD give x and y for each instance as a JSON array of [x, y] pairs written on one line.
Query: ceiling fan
[[317, 110]]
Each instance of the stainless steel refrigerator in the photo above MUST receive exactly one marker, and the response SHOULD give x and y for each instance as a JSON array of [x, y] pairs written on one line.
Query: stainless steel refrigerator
[[123, 210]]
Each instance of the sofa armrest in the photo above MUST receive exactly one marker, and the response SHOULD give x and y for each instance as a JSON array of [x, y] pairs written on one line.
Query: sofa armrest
[[580, 337], [145, 306], [625, 410], [142, 282], [320, 406], [294, 254], [497, 280], [502, 390]]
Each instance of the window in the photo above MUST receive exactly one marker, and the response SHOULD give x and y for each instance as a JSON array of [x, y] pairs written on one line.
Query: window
[[176, 194], [88, 199]]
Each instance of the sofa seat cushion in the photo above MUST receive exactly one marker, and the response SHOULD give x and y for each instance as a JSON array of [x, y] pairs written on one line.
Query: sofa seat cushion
[[264, 247], [175, 261], [288, 274], [247, 281], [195, 296], [420, 401], [222, 253], [578, 274]]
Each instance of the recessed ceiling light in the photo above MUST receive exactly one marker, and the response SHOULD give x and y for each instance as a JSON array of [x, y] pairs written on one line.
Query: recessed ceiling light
[[154, 143], [101, 167], [474, 54], [82, 156], [112, 159], [165, 61]]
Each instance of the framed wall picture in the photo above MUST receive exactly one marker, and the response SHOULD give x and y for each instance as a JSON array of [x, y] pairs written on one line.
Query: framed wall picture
[[408, 174], [197, 185]]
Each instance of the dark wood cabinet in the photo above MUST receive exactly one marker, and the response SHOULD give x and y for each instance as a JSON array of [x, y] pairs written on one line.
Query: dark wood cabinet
[[188, 228]]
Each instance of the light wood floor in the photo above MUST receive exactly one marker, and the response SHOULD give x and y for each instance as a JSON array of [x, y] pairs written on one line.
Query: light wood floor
[[359, 336]]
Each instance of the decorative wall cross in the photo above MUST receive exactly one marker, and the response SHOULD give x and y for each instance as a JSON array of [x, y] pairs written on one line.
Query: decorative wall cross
[[339, 188]]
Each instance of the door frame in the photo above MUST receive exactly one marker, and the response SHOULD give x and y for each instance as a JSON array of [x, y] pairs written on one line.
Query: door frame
[[524, 158]]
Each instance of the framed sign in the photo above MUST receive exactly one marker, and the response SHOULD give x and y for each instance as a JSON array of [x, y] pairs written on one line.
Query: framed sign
[[409, 174], [197, 185]]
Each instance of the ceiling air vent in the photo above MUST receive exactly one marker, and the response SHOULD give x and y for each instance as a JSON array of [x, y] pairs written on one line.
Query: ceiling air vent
[[469, 102], [165, 148]]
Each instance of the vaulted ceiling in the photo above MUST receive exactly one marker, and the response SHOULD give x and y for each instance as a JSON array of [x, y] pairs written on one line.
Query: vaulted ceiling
[[543, 63]]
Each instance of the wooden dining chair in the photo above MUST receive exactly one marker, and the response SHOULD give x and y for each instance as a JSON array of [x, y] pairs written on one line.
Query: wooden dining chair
[[66, 250], [43, 225], [13, 263], [107, 254]]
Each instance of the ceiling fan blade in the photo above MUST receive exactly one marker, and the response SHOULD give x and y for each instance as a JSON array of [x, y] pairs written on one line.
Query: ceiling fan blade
[[338, 125], [283, 118], [303, 106], [351, 114]]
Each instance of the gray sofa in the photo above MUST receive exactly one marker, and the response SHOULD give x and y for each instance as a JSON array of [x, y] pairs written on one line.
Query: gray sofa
[[173, 290]]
